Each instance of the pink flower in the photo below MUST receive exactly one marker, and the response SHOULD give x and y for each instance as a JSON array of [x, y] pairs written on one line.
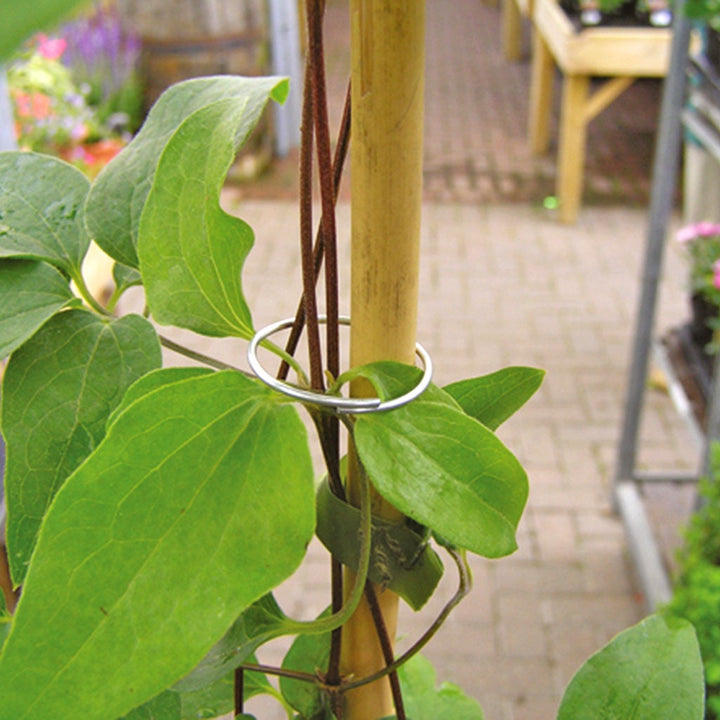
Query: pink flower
[[51, 48], [697, 230], [716, 274], [79, 132]]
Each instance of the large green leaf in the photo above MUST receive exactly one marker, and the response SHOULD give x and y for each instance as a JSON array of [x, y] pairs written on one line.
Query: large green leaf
[[42, 210], [262, 621], [207, 702], [219, 697], [198, 501], [20, 19], [59, 389], [153, 381], [166, 706], [445, 470], [493, 398], [424, 701], [191, 251], [652, 671], [117, 197], [30, 294], [5, 620]]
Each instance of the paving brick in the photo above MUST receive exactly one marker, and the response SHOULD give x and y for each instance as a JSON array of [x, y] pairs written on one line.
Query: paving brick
[[521, 628], [557, 535]]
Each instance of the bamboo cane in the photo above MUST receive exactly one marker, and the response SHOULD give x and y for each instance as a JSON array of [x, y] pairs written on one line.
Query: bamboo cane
[[387, 132]]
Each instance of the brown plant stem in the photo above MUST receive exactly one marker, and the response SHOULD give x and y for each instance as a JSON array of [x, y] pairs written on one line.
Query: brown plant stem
[[239, 691], [306, 232], [331, 427], [341, 151], [387, 648]]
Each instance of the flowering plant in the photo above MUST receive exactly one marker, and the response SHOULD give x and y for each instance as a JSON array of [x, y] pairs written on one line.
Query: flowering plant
[[50, 110], [104, 58], [702, 242]]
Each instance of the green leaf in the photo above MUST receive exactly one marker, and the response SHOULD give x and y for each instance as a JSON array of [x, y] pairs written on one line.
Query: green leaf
[[5, 625], [308, 653], [198, 501], [191, 251], [5, 620], [153, 381], [58, 391], [392, 379], [493, 398], [21, 19], [125, 277], [30, 294], [447, 471], [219, 697], [262, 621], [652, 670], [423, 701], [41, 210], [207, 702], [117, 197], [166, 706]]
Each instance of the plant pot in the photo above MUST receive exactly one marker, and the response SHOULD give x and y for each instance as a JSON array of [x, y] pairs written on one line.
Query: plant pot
[[712, 49], [703, 312]]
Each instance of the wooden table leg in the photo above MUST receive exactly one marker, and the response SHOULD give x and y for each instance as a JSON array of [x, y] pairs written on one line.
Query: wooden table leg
[[541, 91], [511, 30], [573, 136]]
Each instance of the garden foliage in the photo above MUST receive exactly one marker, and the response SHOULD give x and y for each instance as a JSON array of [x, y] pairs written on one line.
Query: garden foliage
[[696, 594]]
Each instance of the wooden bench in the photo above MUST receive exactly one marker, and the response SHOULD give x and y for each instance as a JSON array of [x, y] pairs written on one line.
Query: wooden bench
[[621, 54]]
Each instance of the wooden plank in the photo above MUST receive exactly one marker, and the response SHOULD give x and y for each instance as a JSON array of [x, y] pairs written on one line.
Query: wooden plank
[[511, 30], [610, 51], [541, 92], [573, 137]]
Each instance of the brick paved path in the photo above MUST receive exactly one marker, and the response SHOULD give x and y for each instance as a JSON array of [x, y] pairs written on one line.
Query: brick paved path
[[476, 119]]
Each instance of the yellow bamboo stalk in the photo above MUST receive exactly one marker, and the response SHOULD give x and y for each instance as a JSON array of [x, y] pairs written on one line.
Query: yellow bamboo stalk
[[387, 147]]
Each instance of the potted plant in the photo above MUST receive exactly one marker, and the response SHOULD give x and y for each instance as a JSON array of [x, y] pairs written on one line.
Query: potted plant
[[701, 243]]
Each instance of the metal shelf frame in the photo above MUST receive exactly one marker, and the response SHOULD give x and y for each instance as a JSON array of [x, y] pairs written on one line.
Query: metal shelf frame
[[628, 482]]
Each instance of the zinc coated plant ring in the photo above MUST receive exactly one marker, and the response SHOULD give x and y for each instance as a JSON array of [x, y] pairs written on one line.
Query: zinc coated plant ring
[[355, 406]]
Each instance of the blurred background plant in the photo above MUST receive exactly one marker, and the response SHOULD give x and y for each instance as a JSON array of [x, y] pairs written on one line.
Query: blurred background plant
[[696, 592], [701, 242], [76, 94], [103, 58]]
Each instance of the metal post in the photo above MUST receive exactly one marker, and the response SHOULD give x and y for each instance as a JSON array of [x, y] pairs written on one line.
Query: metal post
[[665, 169], [286, 60]]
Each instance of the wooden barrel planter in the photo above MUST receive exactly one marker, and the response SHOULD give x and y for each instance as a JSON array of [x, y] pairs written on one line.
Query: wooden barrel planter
[[183, 39]]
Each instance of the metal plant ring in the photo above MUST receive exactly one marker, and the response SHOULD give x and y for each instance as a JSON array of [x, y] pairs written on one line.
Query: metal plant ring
[[355, 406]]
